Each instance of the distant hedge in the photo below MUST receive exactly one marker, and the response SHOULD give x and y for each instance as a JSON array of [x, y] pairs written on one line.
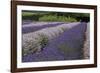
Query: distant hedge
[[55, 16]]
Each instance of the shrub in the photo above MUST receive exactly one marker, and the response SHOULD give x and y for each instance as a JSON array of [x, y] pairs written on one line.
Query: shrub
[[48, 18], [57, 18]]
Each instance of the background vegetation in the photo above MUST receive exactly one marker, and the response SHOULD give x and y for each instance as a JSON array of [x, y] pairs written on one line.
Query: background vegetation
[[55, 16]]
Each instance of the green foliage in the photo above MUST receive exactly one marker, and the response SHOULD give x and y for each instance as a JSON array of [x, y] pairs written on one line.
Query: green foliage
[[48, 18], [57, 18], [54, 16], [30, 16], [27, 13], [66, 19]]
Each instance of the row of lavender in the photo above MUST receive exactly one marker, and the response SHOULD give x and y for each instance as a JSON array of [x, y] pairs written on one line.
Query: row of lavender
[[86, 47], [68, 45], [35, 26], [36, 40]]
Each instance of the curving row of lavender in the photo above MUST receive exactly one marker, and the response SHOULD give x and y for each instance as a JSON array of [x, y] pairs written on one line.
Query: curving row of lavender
[[86, 47], [35, 26], [64, 42], [31, 42]]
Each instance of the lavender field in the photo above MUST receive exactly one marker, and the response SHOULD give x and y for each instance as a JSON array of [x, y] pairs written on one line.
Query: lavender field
[[52, 41]]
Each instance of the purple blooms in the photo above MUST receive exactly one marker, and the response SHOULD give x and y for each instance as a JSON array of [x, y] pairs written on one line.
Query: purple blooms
[[63, 41]]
